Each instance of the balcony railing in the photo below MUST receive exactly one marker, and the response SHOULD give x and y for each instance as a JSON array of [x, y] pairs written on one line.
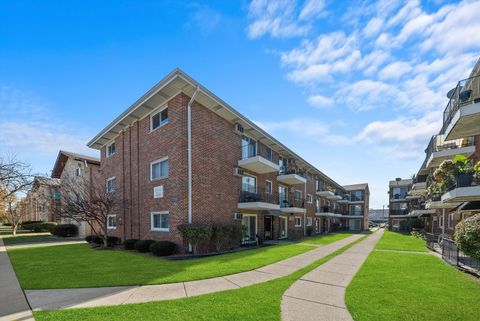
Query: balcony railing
[[438, 143], [259, 196], [466, 92], [290, 201], [285, 170], [400, 196], [399, 212], [252, 150], [463, 180]]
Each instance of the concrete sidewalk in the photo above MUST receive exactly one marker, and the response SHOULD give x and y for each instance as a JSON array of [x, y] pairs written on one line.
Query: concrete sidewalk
[[93, 297], [13, 304], [320, 294], [42, 244]]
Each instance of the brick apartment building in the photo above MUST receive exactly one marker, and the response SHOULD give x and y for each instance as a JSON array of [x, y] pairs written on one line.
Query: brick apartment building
[[180, 155], [40, 201], [459, 135], [82, 170]]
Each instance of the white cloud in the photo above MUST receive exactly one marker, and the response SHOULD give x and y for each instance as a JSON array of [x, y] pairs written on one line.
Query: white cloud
[[395, 70], [373, 27], [320, 101], [203, 17], [312, 9]]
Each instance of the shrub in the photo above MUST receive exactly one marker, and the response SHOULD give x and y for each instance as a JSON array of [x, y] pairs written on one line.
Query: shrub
[[112, 241], [96, 239], [143, 246], [219, 235], [29, 222], [163, 248], [65, 230], [39, 226], [309, 230], [467, 236], [195, 234], [415, 223], [89, 238], [417, 235], [130, 244]]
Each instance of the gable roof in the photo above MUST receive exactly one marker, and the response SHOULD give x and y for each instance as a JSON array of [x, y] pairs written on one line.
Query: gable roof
[[62, 158], [356, 187], [177, 82]]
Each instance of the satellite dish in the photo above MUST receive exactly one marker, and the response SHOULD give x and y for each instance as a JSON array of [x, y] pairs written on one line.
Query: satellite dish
[[398, 179]]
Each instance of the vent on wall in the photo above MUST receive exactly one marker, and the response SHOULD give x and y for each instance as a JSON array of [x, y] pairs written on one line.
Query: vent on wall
[[237, 216], [238, 129], [237, 171]]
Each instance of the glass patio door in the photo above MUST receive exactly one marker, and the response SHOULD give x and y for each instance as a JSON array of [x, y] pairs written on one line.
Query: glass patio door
[[283, 227], [249, 147], [249, 223]]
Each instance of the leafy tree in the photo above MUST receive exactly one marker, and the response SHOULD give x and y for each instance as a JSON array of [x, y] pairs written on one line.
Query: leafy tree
[[467, 236]]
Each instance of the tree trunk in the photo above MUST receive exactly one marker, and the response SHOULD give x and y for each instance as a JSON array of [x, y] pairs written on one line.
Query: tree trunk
[[105, 235], [14, 229]]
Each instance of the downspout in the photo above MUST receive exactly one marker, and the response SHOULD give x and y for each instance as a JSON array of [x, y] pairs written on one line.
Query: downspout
[[443, 222], [189, 150]]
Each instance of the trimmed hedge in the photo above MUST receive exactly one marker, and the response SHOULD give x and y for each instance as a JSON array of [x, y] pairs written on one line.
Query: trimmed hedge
[[112, 241], [65, 230], [163, 248], [130, 244], [39, 226], [143, 246]]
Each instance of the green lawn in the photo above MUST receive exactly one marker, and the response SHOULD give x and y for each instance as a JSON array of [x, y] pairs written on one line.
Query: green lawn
[[23, 238], [326, 239], [397, 286], [401, 242], [257, 302], [75, 266]]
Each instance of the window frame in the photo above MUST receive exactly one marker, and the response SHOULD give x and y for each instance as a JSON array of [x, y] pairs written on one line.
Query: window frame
[[107, 149], [113, 178], [440, 221], [295, 195], [158, 161], [268, 182], [451, 218], [309, 198], [110, 227], [299, 221], [159, 229], [156, 112], [256, 183]]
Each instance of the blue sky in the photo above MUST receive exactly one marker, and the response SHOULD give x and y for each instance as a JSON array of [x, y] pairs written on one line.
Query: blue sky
[[356, 88]]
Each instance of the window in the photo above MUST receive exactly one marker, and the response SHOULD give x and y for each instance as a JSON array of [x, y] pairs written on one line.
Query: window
[[159, 169], [451, 220], [309, 198], [249, 184], [283, 165], [440, 221], [298, 221], [399, 192], [268, 187], [298, 195], [111, 222], [78, 170], [111, 149], [159, 119], [111, 185], [356, 210], [159, 221], [318, 206], [268, 153], [282, 196], [249, 223], [309, 221], [356, 196], [249, 147]]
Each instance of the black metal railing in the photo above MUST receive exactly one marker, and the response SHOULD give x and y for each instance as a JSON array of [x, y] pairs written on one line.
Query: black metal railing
[[431, 240], [399, 212], [462, 180], [259, 196], [466, 92], [454, 256], [437, 143], [400, 196], [252, 150], [285, 170], [289, 200]]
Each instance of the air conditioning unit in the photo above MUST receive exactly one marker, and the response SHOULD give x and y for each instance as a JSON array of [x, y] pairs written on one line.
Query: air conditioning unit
[[238, 129], [237, 171], [237, 216]]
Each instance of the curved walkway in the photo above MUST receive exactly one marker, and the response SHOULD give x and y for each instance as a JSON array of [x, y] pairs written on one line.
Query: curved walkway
[[106, 296], [320, 294]]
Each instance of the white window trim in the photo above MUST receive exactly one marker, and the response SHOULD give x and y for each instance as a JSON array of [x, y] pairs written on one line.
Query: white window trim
[[271, 187], [295, 221], [309, 221], [156, 162], [153, 113], [309, 198], [158, 229], [450, 220], [297, 191], [106, 184], [106, 149], [111, 227]]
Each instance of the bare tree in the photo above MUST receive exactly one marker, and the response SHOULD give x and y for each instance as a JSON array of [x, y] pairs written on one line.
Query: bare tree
[[79, 201], [15, 179], [15, 209]]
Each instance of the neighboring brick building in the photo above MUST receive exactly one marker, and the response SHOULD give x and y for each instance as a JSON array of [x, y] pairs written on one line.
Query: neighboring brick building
[[441, 210], [40, 200], [180, 155], [81, 169]]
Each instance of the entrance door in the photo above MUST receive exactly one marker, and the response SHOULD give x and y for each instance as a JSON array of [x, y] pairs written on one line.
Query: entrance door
[[354, 225], [268, 226], [283, 227], [249, 223]]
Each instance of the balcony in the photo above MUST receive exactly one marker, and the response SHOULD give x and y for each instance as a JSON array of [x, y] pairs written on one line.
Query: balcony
[[258, 201], [288, 204], [257, 162], [397, 212], [440, 149], [324, 192], [291, 177], [334, 197], [462, 113], [418, 189], [399, 197], [465, 189], [327, 211], [344, 200]]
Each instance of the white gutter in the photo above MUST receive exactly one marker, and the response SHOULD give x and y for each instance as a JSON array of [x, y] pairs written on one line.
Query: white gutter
[[189, 149]]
